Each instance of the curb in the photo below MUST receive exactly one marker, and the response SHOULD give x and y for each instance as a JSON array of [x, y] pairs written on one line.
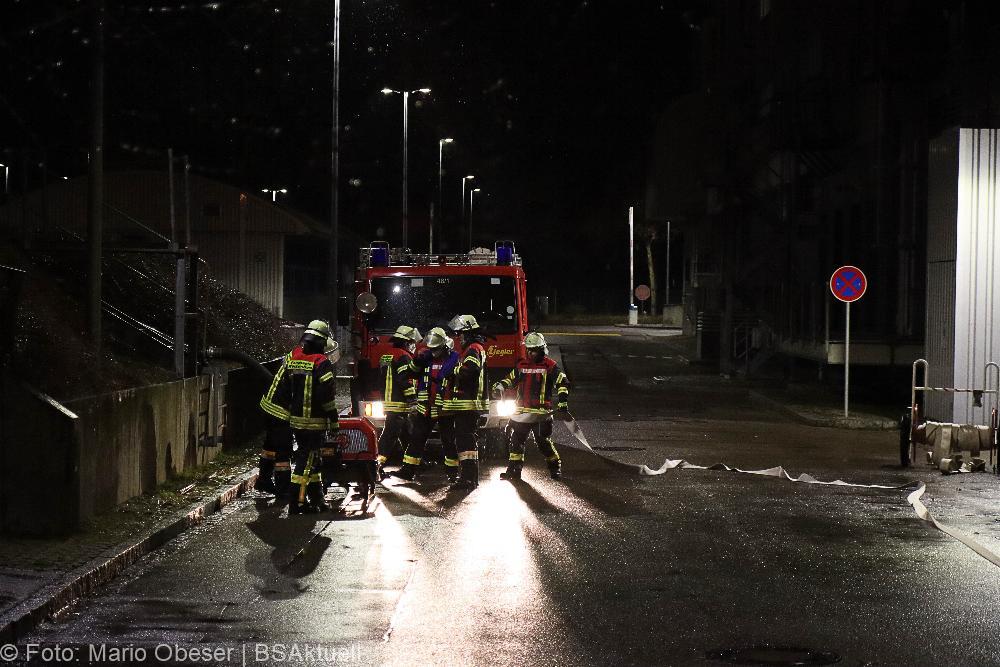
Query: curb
[[860, 424], [23, 617]]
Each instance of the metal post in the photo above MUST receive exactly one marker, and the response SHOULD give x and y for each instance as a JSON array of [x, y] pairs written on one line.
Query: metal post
[[180, 288], [666, 294], [334, 276], [406, 130], [187, 201], [95, 212], [464, 179], [430, 239], [847, 352], [631, 252], [170, 188], [440, 178]]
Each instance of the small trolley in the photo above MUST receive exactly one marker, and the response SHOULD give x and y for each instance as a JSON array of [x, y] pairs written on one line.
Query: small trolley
[[915, 429], [357, 452]]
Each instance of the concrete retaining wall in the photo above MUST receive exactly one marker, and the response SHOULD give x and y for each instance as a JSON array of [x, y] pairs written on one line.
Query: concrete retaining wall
[[60, 464], [134, 440]]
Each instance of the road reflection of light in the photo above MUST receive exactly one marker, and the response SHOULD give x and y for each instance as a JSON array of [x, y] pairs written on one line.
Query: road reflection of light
[[390, 554], [494, 549]]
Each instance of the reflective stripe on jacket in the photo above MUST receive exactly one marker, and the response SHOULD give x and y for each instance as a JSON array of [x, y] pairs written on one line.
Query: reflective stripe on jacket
[[275, 400], [536, 384], [431, 373], [466, 388], [398, 385], [312, 386]]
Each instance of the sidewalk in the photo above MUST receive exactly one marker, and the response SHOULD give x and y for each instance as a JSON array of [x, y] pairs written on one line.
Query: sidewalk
[[40, 576]]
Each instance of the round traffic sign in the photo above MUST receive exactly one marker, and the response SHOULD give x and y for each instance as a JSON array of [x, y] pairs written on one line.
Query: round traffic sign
[[642, 292], [848, 283]]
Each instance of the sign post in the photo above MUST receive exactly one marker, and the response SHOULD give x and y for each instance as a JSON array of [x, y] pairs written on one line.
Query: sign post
[[633, 311], [642, 293], [848, 283]]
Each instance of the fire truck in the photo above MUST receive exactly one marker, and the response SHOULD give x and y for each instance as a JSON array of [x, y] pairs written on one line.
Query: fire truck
[[394, 286]]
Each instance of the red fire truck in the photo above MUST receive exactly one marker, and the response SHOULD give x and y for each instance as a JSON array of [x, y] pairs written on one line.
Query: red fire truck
[[394, 286]]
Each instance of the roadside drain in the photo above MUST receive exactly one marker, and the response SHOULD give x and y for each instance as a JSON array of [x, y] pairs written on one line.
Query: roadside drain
[[773, 655]]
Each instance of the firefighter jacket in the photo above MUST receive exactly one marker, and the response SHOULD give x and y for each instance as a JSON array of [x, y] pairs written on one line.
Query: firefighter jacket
[[431, 374], [536, 384], [311, 389], [466, 388], [275, 400], [399, 387]]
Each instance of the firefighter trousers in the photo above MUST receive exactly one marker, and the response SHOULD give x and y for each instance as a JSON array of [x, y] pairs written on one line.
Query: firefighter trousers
[[420, 429], [307, 461], [541, 431], [396, 429], [275, 457], [467, 443]]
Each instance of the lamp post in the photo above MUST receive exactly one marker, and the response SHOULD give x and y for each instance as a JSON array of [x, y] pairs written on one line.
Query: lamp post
[[472, 199], [441, 143], [406, 128], [464, 179], [274, 193], [6, 173]]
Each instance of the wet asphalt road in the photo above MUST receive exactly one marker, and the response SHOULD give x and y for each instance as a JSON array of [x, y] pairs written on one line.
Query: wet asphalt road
[[603, 568]]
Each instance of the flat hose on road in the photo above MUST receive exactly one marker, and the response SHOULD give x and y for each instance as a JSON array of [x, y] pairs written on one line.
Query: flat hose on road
[[916, 489]]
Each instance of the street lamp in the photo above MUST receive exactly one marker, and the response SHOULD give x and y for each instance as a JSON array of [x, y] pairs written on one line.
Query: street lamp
[[6, 172], [441, 143], [274, 193], [472, 198], [464, 179], [406, 125]]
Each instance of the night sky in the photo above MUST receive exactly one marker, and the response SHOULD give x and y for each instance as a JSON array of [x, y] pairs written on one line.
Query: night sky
[[552, 106]]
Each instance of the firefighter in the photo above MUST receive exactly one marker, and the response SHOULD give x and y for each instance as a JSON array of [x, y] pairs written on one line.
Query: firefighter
[[399, 392], [311, 389], [328, 452], [466, 398], [538, 379], [430, 367], [274, 465]]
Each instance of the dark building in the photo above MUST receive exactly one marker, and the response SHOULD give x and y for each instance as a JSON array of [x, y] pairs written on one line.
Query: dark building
[[804, 147]]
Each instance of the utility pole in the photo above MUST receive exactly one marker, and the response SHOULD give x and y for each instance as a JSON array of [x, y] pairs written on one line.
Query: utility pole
[[335, 176], [95, 209]]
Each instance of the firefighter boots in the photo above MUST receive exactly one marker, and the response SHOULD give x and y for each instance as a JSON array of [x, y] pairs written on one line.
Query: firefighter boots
[[407, 472], [317, 501], [265, 466], [282, 478], [469, 477], [513, 472]]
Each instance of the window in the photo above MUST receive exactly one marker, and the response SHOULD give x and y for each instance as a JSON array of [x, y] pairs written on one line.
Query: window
[[431, 301]]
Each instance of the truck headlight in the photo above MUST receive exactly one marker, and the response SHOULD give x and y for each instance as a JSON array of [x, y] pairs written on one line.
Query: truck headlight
[[373, 409], [506, 407]]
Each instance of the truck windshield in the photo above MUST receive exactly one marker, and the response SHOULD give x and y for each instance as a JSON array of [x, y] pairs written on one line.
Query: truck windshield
[[431, 301]]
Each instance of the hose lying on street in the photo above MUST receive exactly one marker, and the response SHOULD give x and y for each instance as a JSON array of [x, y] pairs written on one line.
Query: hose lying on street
[[913, 498]]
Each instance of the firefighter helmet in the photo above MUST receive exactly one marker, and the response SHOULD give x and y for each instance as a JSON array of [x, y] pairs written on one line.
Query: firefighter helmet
[[463, 323], [535, 340], [436, 338], [318, 328], [407, 333], [332, 350]]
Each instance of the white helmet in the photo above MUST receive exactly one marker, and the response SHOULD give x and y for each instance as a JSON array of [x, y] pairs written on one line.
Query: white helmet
[[404, 332], [318, 328], [463, 323], [332, 350], [535, 340], [437, 337]]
